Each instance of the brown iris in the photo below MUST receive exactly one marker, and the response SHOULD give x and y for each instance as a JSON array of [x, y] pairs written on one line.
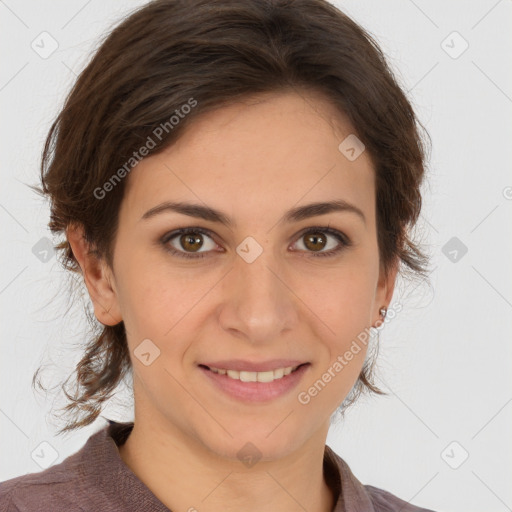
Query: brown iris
[[191, 242], [312, 240]]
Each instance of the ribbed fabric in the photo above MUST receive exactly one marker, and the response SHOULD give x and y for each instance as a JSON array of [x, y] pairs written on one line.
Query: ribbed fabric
[[96, 479]]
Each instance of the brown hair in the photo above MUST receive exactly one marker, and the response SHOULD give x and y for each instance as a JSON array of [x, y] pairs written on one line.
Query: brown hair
[[205, 54]]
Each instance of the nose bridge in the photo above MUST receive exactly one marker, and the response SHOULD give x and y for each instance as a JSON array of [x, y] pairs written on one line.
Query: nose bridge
[[258, 277], [262, 306]]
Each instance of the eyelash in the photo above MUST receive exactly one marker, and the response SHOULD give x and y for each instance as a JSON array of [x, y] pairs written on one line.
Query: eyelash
[[341, 237]]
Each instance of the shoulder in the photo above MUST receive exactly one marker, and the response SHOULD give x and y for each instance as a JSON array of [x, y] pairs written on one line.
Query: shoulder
[[62, 486], [89, 479], [353, 495], [384, 501], [51, 489]]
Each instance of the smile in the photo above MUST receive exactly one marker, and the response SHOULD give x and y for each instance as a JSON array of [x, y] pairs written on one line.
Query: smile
[[254, 387], [244, 376]]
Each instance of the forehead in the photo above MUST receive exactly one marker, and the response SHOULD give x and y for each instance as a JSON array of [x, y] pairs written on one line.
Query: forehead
[[267, 152]]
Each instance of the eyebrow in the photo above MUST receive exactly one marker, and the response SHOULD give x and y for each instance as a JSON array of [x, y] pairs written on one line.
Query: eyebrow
[[294, 215]]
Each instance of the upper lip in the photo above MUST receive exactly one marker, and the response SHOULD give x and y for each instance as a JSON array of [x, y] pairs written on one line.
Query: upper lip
[[248, 366]]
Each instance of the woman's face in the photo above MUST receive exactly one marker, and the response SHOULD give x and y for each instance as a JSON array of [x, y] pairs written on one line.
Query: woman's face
[[265, 284]]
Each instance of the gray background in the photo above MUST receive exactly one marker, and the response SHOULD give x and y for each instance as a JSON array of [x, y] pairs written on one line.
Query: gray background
[[445, 359]]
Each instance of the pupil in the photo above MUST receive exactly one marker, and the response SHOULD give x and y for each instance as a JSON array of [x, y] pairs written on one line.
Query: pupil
[[313, 239], [194, 241]]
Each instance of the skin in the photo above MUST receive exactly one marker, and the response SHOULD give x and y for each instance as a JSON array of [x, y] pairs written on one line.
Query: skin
[[253, 160]]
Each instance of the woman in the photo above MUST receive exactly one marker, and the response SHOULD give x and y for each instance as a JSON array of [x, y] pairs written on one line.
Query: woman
[[235, 181]]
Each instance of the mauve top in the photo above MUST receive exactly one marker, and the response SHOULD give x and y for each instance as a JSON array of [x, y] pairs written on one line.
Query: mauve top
[[95, 478]]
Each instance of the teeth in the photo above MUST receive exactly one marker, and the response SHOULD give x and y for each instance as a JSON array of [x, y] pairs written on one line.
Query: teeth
[[256, 376]]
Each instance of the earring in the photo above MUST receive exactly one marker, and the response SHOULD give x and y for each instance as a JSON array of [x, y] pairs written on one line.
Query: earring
[[383, 310]]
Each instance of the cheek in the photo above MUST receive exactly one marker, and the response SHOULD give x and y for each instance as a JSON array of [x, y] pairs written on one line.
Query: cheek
[[332, 381], [163, 307], [344, 301], [144, 298], [141, 273], [344, 308]]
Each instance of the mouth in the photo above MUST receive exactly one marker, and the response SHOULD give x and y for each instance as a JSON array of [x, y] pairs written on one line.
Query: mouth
[[252, 376], [254, 387]]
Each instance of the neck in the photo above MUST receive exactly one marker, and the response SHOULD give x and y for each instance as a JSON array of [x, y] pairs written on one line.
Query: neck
[[185, 475]]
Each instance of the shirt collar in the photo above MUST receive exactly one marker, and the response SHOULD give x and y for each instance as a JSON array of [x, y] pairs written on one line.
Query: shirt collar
[[118, 479]]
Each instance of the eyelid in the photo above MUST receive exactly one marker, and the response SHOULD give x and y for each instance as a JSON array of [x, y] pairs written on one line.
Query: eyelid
[[180, 231], [343, 240]]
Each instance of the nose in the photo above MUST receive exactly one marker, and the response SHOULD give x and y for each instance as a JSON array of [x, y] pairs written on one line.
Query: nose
[[257, 302]]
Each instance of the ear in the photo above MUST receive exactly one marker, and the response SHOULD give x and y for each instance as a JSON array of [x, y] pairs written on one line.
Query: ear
[[385, 288], [98, 277]]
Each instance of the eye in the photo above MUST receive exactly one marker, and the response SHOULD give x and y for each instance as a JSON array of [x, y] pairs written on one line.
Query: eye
[[189, 239], [188, 242], [315, 239]]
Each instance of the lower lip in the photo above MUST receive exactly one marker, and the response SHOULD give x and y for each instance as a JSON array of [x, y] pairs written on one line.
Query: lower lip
[[256, 391]]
